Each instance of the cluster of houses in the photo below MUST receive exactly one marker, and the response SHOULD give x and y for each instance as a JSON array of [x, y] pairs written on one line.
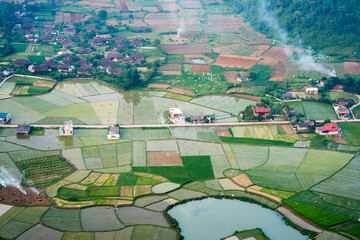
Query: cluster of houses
[[177, 116]]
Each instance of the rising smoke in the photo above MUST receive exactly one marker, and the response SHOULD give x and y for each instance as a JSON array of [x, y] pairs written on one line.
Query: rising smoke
[[304, 59], [7, 180], [181, 28]]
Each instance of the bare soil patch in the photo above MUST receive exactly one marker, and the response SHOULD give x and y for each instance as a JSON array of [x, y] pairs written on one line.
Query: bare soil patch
[[91, 178], [170, 67], [224, 133], [340, 140], [232, 76], [173, 7], [190, 4], [42, 84], [135, 14], [287, 128], [155, 85], [141, 190], [260, 49], [352, 67], [121, 5], [14, 196], [111, 22], [253, 190], [177, 22], [181, 91], [236, 90], [200, 68], [242, 180], [250, 97], [170, 72], [69, 204], [115, 178], [126, 191], [279, 68], [253, 36], [236, 61], [191, 12], [164, 159], [278, 53], [102, 179]]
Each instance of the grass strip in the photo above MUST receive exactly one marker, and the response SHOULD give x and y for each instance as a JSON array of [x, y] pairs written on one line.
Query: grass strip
[[254, 141]]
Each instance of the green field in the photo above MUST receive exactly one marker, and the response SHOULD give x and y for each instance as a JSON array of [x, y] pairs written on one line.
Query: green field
[[261, 132], [197, 133], [336, 95], [351, 132]]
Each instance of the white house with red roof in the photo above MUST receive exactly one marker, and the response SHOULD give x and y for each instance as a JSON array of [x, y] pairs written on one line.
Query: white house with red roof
[[263, 111], [328, 129]]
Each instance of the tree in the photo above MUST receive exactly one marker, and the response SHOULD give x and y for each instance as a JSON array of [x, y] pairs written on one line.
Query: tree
[[157, 42], [102, 14], [248, 112]]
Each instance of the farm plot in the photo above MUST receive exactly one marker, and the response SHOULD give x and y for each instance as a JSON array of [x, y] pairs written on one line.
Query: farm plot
[[153, 233], [261, 132], [319, 111], [7, 87], [99, 219], [200, 133], [108, 155], [144, 111], [220, 164], [229, 104], [236, 61], [318, 165], [8, 147], [279, 68], [124, 153], [20, 114], [35, 104], [352, 67], [193, 148], [106, 111], [165, 145], [41, 232], [163, 159], [31, 215], [74, 156], [63, 219], [139, 154], [55, 100], [164, 187], [298, 107], [125, 111], [82, 111], [14, 228], [185, 49], [146, 134], [336, 95], [351, 132], [47, 142], [248, 157], [29, 154], [66, 96], [183, 194], [135, 216], [104, 97], [9, 166]]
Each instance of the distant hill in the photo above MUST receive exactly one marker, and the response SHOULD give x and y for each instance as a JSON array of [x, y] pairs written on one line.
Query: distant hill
[[321, 24]]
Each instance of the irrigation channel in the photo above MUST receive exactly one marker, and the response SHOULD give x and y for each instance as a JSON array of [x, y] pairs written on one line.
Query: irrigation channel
[[212, 218]]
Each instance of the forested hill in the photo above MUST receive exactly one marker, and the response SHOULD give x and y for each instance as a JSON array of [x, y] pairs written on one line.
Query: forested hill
[[319, 23]]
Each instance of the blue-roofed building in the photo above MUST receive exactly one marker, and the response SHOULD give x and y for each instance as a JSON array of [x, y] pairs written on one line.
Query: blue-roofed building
[[4, 117]]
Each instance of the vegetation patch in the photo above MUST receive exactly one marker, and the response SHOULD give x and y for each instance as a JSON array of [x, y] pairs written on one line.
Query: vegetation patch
[[254, 141], [44, 170]]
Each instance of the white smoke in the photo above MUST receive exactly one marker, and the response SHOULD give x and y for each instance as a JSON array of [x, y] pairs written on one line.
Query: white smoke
[[305, 61], [7, 179], [181, 28]]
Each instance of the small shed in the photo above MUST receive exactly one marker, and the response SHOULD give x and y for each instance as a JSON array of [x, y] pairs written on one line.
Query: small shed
[[113, 133], [23, 130], [196, 118], [4, 117]]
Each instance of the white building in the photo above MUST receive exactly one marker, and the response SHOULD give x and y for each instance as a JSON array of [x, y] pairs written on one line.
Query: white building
[[67, 129], [176, 115], [113, 133], [312, 90]]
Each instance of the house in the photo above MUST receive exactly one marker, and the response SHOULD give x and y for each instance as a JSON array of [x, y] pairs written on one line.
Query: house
[[136, 42], [85, 51], [90, 27], [345, 101], [66, 52], [118, 39], [67, 129], [343, 112], [38, 68], [115, 71], [287, 95], [107, 63], [65, 68], [243, 79], [85, 70], [70, 31], [95, 42], [196, 118], [23, 130], [302, 127], [263, 111], [49, 31], [104, 36], [312, 90], [328, 129], [4, 117], [113, 133], [46, 38], [21, 62], [48, 25], [112, 55], [176, 115], [138, 57]]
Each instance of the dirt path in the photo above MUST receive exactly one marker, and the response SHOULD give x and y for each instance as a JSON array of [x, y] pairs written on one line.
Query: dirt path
[[297, 220]]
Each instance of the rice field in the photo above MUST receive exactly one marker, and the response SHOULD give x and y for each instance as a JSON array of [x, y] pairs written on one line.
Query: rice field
[[134, 216], [229, 104], [70, 219], [139, 154], [319, 111], [145, 112], [20, 114], [165, 145], [248, 157], [351, 132], [7, 87], [195, 133], [99, 219], [219, 164], [261, 132], [145, 134], [194, 148], [41, 232]]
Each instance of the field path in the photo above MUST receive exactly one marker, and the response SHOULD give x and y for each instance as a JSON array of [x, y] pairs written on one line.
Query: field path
[[297, 220]]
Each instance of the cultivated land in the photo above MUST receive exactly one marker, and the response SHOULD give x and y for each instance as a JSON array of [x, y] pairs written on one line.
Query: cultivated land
[[94, 188]]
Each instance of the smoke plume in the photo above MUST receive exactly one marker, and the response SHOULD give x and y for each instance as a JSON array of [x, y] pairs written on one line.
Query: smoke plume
[[181, 28], [304, 59], [7, 179]]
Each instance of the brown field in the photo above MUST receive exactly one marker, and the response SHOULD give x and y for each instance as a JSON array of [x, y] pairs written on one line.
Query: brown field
[[43, 84], [277, 53], [163, 159], [121, 5], [135, 14], [236, 90], [94, 4], [287, 129], [172, 7], [352, 67], [115, 179], [139, 190], [14, 196], [278, 65], [185, 49], [231, 76], [159, 15], [340, 140], [171, 72], [155, 85], [253, 36], [200, 68], [224, 133], [111, 22], [242, 180], [170, 67], [228, 49], [69, 204], [126, 191], [151, 9], [152, 59], [91, 178], [236, 61], [102, 179], [134, 23], [190, 4], [187, 58], [177, 22], [191, 12], [77, 186], [181, 91], [260, 50], [254, 190]]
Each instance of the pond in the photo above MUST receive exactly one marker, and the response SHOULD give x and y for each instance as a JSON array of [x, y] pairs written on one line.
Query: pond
[[218, 218], [198, 61]]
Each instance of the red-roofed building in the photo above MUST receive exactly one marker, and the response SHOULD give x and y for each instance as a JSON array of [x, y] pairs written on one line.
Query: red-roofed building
[[328, 129], [263, 111]]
